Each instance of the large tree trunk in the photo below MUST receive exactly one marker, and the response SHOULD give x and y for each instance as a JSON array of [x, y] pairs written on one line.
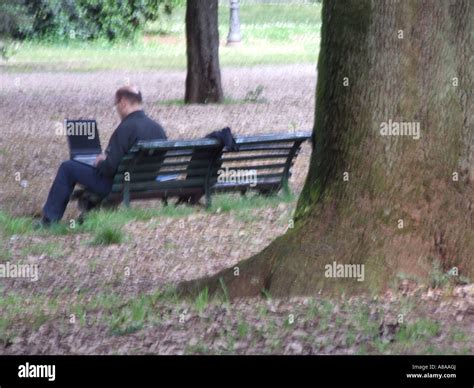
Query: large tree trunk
[[203, 80], [405, 204]]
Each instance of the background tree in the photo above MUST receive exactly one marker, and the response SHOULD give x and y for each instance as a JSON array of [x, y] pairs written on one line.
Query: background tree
[[13, 18], [81, 19], [14, 22], [393, 203], [203, 79]]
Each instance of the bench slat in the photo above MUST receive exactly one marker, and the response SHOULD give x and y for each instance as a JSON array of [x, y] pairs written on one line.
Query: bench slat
[[250, 148], [158, 193], [155, 167], [139, 176], [254, 157]]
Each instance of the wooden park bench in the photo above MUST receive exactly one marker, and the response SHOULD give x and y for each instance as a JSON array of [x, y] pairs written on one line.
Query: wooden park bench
[[191, 169]]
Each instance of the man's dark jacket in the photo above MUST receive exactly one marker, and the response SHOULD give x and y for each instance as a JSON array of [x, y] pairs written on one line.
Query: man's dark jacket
[[136, 126]]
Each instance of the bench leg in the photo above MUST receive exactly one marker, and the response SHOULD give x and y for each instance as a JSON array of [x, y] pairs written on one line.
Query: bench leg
[[126, 195], [270, 192], [208, 200], [81, 218]]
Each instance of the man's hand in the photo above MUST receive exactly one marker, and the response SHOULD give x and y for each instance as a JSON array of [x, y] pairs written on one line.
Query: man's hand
[[99, 158]]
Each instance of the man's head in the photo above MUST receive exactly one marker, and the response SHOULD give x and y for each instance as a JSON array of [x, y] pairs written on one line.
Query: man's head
[[128, 99]]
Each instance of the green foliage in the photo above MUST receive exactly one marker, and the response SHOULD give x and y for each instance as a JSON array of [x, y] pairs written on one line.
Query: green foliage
[[90, 19], [14, 20], [263, 26]]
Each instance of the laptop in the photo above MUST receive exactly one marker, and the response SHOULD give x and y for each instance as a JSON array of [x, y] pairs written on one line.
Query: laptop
[[83, 139]]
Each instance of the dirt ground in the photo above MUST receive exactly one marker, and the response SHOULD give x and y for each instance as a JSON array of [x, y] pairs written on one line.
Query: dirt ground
[[414, 322]]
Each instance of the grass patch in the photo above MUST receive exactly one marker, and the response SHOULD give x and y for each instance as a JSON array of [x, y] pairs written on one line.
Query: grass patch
[[418, 331], [236, 202], [171, 102], [227, 101], [225, 292], [243, 329], [17, 310], [122, 216], [271, 34], [202, 300], [10, 226], [106, 224], [129, 318], [132, 315], [458, 335], [15, 225], [266, 294], [368, 326], [108, 235], [121, 314], [104, 300]]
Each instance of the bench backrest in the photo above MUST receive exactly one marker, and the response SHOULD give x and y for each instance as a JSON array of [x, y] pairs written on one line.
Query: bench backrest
[[264, 159], [197, 166], [170, 166]]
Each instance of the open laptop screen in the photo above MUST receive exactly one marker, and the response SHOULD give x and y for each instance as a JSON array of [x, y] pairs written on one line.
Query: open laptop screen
[[83, 137]]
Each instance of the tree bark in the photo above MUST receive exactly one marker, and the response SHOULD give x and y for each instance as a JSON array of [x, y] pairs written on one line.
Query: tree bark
[[396, 204], [203, 80]]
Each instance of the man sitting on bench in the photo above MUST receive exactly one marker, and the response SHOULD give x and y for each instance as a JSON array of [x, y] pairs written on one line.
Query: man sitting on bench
[[135, 126]]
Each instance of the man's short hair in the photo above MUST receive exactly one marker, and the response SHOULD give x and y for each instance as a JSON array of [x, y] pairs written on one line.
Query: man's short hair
[[133, 95]]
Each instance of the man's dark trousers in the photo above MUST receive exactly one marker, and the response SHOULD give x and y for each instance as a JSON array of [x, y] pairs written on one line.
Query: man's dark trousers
[[70, 173]]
